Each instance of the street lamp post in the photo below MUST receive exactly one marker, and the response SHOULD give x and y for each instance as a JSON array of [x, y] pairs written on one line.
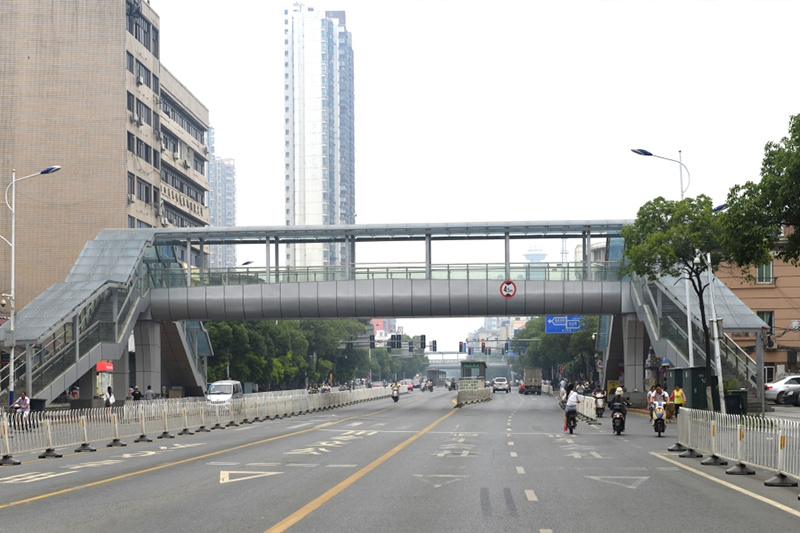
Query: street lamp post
[[642, 151], [715, 325], [12, 341]]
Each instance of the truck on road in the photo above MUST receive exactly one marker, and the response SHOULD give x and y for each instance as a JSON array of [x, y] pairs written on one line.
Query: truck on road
[[531, 381]]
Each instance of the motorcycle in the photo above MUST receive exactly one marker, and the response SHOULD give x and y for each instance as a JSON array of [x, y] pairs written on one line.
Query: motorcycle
[[617, 419], [453, 385], [572, 420], [395, 393], [659, 417], [599, 406]]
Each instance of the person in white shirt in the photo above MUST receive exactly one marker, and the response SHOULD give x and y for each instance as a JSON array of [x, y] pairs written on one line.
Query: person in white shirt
[[571, 403]]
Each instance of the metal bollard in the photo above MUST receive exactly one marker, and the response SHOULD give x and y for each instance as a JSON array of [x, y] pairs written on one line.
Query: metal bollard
[[185, 430], [203, 428], [84, 447], [740, 469], [50, 451], [142, 436], [780, 479], [713, 459], [115, 433], [6, 460], [165, 434]]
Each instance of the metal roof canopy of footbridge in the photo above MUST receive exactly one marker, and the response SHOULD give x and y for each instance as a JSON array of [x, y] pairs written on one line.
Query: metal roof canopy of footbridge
[[367, 233]]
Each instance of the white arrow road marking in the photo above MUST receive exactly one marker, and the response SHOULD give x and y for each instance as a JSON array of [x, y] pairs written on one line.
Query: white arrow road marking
[[229, 476], [440, 480], [629, 482]]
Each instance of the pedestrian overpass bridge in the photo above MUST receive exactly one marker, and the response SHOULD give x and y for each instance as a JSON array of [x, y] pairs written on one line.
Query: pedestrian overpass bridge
[[132, 283]]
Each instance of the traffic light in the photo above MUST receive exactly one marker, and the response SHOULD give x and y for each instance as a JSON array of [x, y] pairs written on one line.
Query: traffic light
[[372, 341], [460, 347], [350, 344], [508, 347], [411, 346], [422, 342], [483, 347], [488, 351], [433, 345]]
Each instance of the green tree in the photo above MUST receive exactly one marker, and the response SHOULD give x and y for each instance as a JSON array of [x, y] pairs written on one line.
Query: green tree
[[757, 212], [574, 351], [664, 241]]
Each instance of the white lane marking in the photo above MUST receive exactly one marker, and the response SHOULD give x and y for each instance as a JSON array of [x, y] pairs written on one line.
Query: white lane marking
[[439, 480], [226, 476], [531, 497], [730, 486], [629, 482], [510, 443], [520, 470], [303, 465], [342, 466], [220, 463], [262, 464], [513, 454]]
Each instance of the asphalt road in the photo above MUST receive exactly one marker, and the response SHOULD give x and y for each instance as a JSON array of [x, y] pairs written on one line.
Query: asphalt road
[[417, 465]]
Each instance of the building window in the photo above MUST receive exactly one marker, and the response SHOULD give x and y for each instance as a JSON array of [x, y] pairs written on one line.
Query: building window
[[131, 142], [764, 273], [131, 222], [129, 62], [768, 317]]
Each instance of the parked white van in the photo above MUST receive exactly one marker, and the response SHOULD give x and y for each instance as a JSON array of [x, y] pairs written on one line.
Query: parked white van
[[224, 391]]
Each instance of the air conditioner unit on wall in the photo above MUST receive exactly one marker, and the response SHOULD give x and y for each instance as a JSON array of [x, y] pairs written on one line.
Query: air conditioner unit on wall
[[771, 343], [139, 80], [164, 221], [186, 163], [131, 198], [176, 155]]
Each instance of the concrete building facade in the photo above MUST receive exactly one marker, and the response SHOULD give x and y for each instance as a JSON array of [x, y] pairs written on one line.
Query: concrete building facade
[[319, 171], [82, 86]]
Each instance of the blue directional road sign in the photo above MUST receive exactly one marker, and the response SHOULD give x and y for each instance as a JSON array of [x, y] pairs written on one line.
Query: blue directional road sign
[[562, 324]]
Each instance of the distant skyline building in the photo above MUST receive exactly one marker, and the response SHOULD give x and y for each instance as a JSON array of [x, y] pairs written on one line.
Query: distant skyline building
[[319, 155], [221, 202]]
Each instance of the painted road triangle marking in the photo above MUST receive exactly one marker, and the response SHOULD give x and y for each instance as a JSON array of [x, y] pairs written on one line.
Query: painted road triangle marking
[[629, 482], [229, 476], [438, 481]]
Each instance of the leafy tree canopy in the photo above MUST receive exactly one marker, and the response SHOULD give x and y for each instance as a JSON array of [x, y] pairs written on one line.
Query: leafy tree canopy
[[756, 212]]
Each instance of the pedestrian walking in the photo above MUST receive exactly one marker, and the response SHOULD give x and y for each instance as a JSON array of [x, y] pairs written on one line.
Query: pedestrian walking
[[149, 394], [678, 399]]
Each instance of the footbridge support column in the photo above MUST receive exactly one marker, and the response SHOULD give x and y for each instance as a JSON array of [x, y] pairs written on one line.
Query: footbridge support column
[[147, 340], [635, 345]]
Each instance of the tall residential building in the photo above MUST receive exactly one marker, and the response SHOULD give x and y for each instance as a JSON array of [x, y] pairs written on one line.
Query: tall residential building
[[318, 124], [82, 86], [221, 202]]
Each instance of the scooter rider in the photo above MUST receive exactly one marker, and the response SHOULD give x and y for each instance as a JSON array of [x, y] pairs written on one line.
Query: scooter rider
[[598, 393], [571, 403], [658, 396], [618, 402]]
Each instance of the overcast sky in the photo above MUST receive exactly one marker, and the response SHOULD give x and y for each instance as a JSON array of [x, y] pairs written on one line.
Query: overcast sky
[[505, 110]]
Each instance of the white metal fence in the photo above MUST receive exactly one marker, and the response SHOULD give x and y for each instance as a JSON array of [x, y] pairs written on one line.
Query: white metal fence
[[145, 420], [769, 443]]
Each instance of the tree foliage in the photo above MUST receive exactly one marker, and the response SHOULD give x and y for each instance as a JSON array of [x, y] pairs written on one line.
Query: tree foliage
[[284, 354], [665, 239], [756, 212], [573, 351]]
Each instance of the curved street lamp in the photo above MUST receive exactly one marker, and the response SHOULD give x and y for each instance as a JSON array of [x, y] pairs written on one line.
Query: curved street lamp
[[12, 206], [642, 151]]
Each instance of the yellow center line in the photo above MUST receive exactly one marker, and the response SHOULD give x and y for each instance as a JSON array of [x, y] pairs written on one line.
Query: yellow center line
[[730, 485], [308, 508], [182, 461]]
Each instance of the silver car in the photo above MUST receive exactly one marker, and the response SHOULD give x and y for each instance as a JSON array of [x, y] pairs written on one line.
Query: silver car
[[775, 391]]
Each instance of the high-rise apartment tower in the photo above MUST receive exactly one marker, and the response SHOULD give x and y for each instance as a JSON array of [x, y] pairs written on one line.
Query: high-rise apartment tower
[[318, 123], [221, 202]]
